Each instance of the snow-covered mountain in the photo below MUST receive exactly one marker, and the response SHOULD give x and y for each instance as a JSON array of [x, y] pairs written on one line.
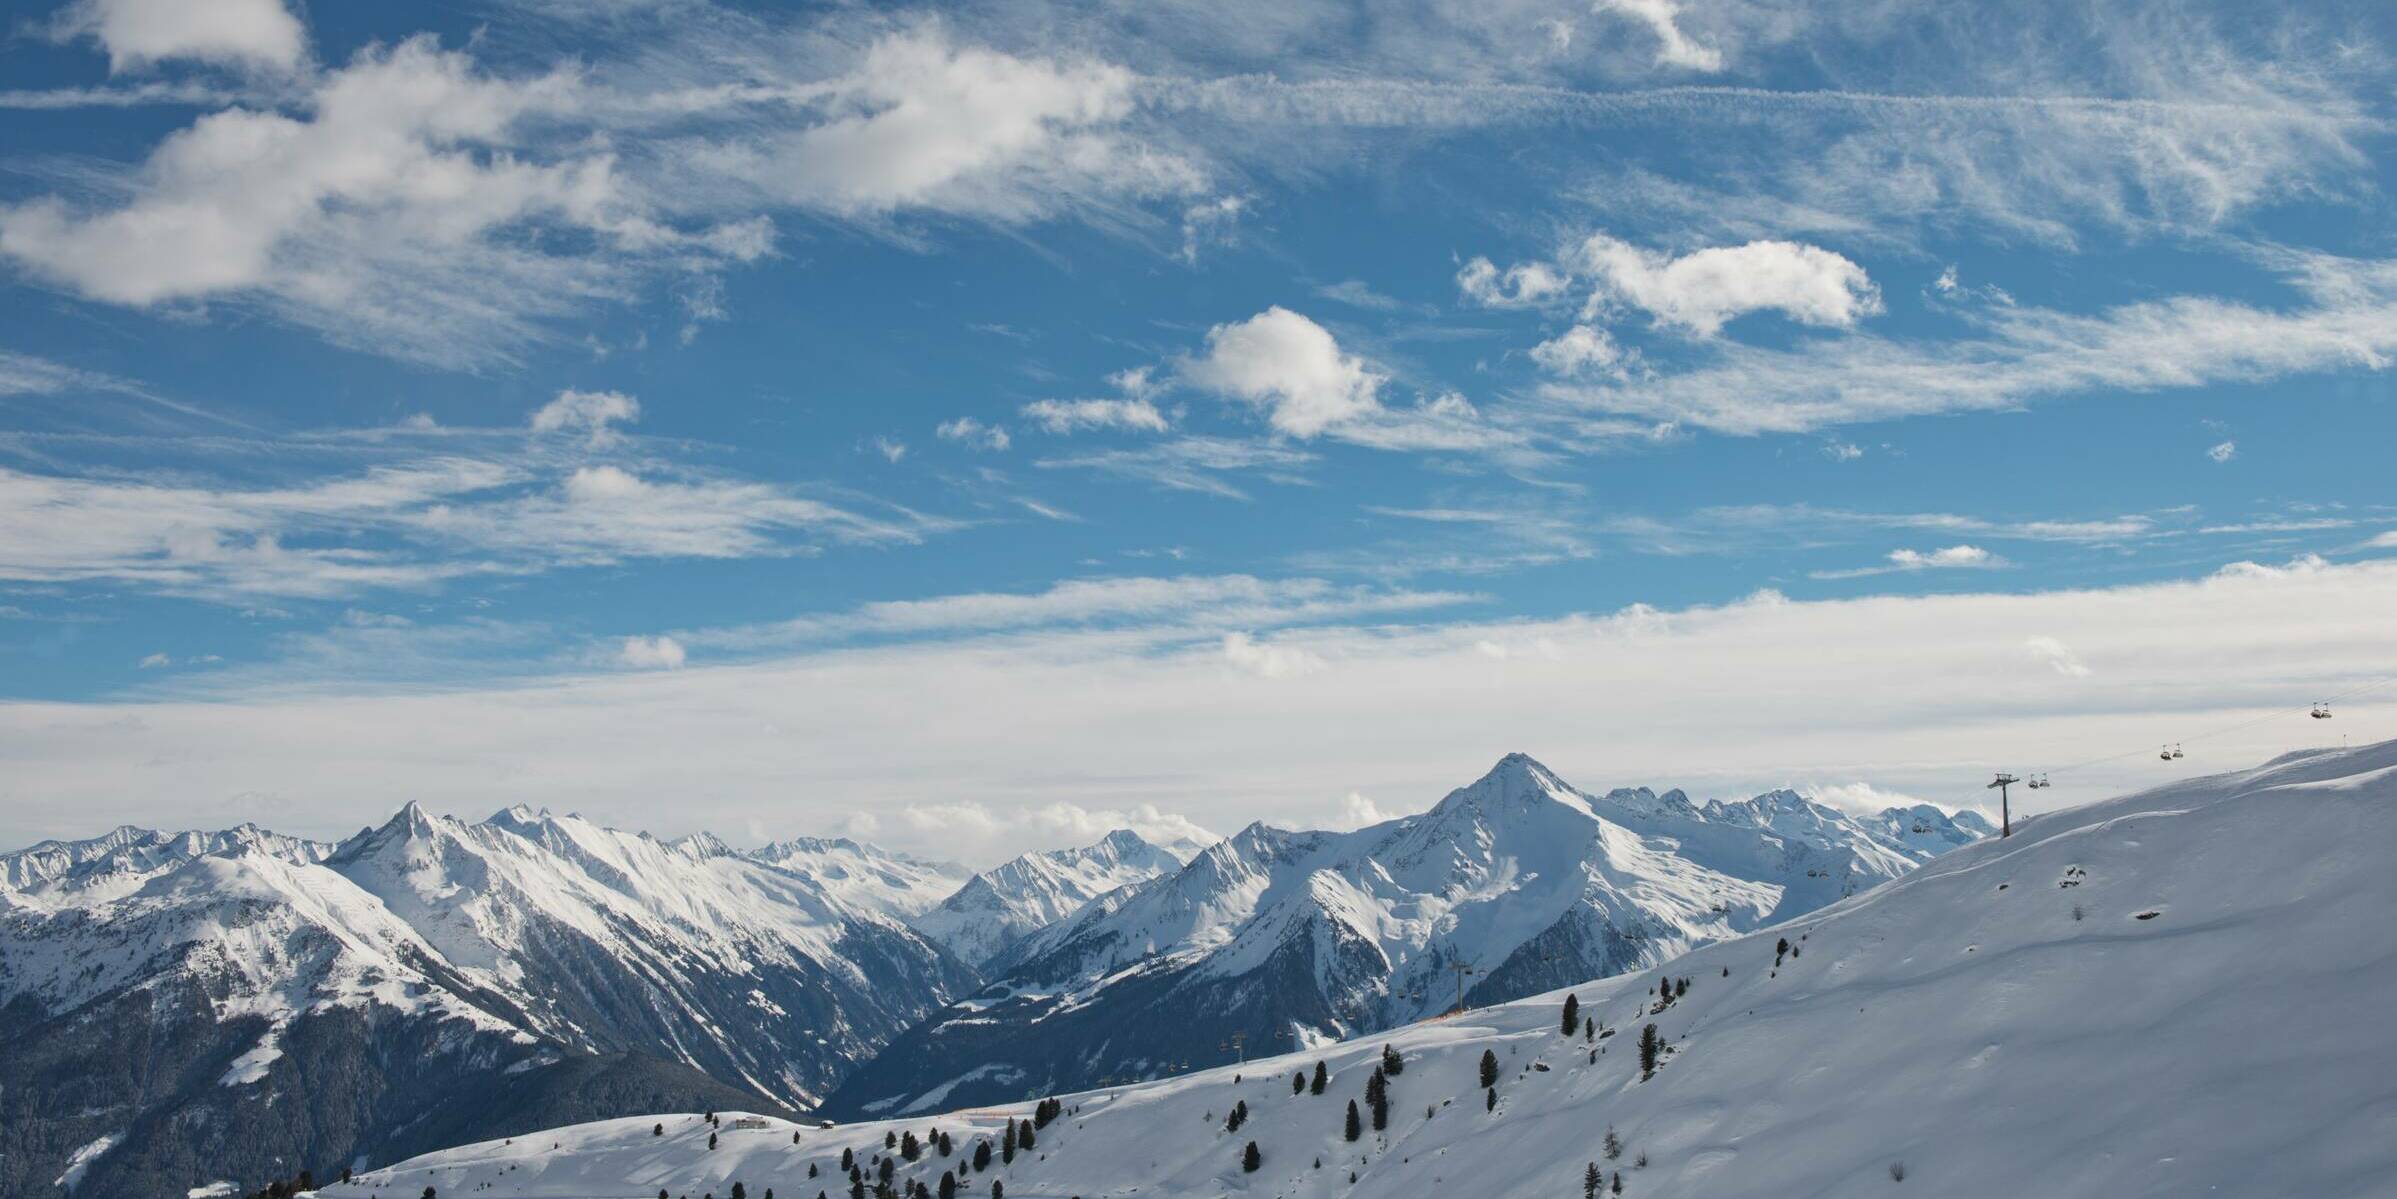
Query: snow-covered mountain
[[1001, 906], [2180, 992], [867, 876], [220, 1002], [1273, 939]]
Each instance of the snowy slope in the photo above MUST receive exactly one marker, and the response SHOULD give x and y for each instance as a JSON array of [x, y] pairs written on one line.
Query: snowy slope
[[866, 877], [1000, 906], [55, 874], [1286, 938], [2181, 992]]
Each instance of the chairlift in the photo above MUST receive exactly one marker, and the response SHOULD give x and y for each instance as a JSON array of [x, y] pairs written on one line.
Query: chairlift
[[2037, 781], [2166, 754], [2321, 711], [2176, 750]]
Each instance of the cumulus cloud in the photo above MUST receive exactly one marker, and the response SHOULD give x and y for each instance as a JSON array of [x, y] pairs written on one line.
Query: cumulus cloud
[[138, 33], [1701, 290], [1580, 350], [1356, 810], [1289, 367], [1674, 48], [2058, 656], [2223, 451], [925, 122], [1268, 660], [1523, 285], [968, 431], [591, 413], [651, 653]]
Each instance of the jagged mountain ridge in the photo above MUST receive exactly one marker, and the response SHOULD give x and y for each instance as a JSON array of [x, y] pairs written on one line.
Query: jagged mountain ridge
[[863, 875], [1281, 938], [999, 907], [2175, 992], [427, 979]]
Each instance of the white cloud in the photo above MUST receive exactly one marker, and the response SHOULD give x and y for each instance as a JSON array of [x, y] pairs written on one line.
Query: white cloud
[[1674, 48], [1523, 285], [137, 33], [1701, 290], [1954, 557], [1212, 222], [2347, 319], [588, 412], [2224, 451], [651, 653], [891, 449], [2299, 566], [1356, 810], [924, 122], [1268, 660], [154, 661], [1579, 350], [1842, 451], [2058, 656], [1921, 696], [978, 833], [1290, 367], [974, 433], [1066, 416]]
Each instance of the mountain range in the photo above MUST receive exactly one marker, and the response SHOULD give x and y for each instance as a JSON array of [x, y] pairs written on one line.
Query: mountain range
[[2179, 992], [1272, 939], [202, 1007]]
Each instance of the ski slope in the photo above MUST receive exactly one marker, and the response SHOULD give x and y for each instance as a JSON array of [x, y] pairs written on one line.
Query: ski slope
[[2186, 991]]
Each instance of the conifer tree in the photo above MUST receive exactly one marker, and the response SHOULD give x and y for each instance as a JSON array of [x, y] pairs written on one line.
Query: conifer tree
[[1298, 1083], [1572, 1013], [1489, 1068], [1617, 1186], [890, 1140], [982, 1154], [1612, 1146], [947, 1146], [1591, 1178], [1650, 1047], [1023, 1137], [1392, 1064], [999, 1191], [909, 1148], [1489, 1100], [1007, 1146], [657, 1130], [948, 1184], [1355, 1127], [711, 1140], [848, 1158], [1589, 1029], [1250, 1159], [739, 1191], [1321, 1079]]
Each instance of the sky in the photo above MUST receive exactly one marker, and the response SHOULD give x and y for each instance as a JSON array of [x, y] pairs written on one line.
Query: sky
[[976, 427]]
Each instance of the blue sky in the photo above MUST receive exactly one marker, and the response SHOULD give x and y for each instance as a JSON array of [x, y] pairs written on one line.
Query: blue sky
[[975, 427]]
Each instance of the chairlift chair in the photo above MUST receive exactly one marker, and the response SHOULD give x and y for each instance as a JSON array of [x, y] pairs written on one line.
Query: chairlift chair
[[2176, 750], [2321, 711], [2166, 754]]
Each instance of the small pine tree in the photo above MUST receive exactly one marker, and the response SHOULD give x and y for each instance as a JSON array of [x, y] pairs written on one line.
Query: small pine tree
[[428, 1194], [1024, 1139], [947, 1146], [1392, 1064], [711, 1140], [997, 1189], [1377, 1088], [657, 1130], [890, 1140], [1298, 1083], [848, 1158], [1489, 1068], [1591, 1179], [1007, 1146], [1589, 1028], [1572, 1013], [1650, 1047], [1780, 950], [948, 1184], [739, 1191], [1250, 1159], [1356, 1126], [1489, 1100], [1322, 1079], [1612, 1145], [982, 1154], [1617, 1185]]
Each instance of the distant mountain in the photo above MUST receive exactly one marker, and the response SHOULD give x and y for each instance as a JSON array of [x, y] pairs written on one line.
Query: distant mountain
[[2182, 992], [1274, 939], [226, 1004], [866, 876], [999, 907]]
